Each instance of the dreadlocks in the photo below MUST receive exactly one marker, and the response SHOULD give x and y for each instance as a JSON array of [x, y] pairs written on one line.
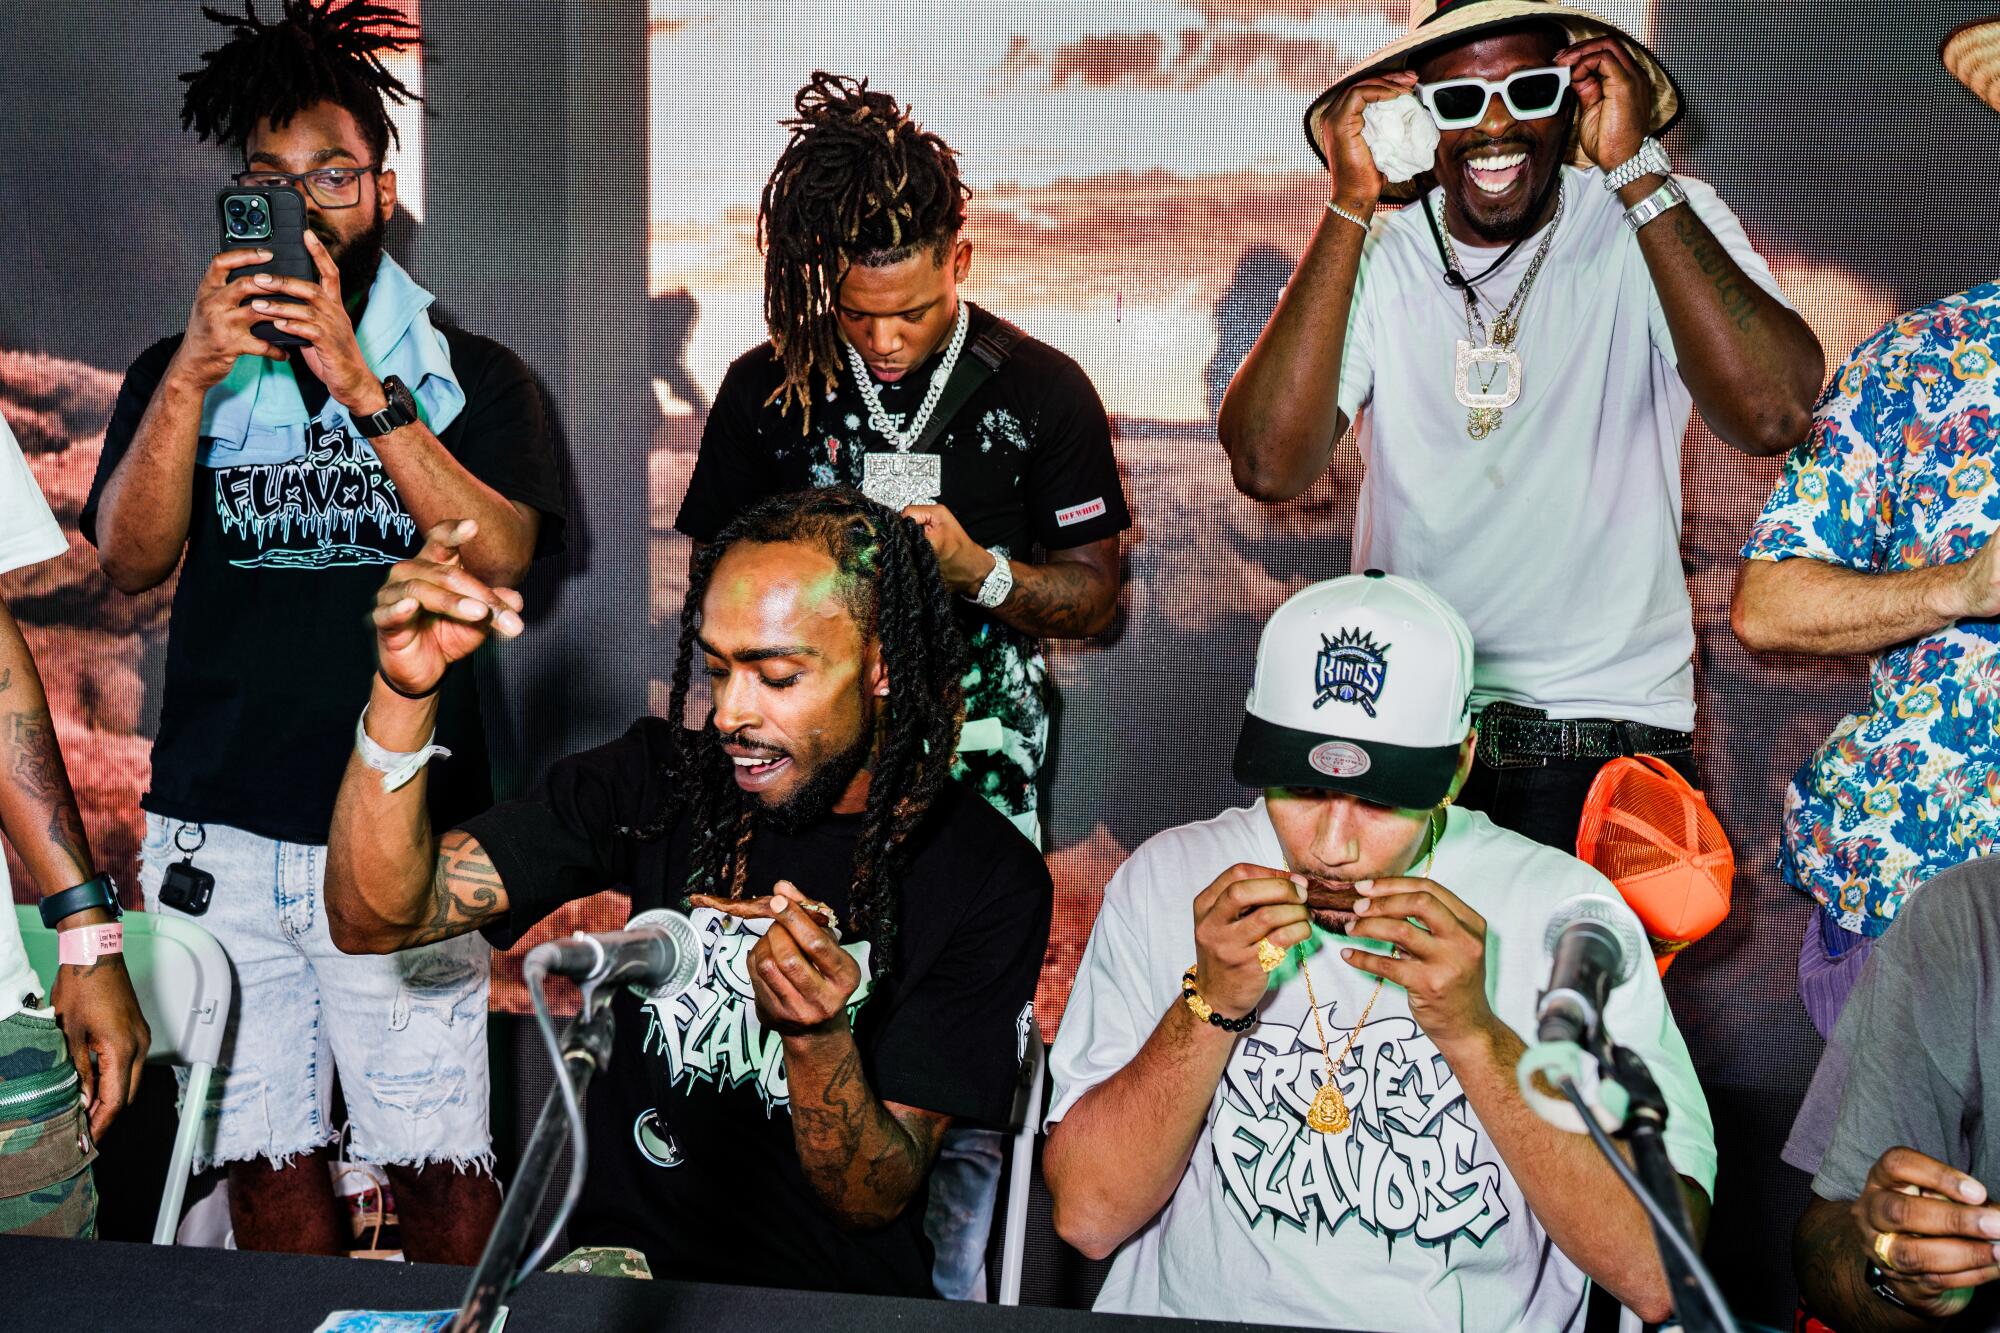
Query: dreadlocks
[[897, 596], [318, 51], [859, 183]]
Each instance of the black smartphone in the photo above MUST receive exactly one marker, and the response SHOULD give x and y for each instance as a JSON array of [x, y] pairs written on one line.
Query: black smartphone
[[273, 220], [187, 887]]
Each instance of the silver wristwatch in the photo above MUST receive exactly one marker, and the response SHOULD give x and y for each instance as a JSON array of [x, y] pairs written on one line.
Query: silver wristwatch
[[1650, 158], [1654, 204], [999, 581]]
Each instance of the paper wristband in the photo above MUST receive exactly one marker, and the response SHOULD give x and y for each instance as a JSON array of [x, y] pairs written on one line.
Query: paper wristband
[[1542, 1068], [84, 945], [395, 766]]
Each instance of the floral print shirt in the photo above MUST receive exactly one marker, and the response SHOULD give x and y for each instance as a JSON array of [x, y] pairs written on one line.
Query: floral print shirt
[[1898, 475]]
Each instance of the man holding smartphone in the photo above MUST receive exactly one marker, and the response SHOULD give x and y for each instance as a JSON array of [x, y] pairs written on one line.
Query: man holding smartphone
[[281, 484]]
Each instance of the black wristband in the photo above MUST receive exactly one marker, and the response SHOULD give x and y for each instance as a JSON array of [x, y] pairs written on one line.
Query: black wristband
[[394, 688], [97, 891]]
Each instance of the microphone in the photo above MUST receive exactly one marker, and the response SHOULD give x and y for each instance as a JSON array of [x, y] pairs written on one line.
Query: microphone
[[1592, 949], [656, 954]]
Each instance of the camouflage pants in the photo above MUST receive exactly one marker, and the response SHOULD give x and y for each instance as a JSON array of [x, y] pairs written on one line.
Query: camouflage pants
[[45, 1147]]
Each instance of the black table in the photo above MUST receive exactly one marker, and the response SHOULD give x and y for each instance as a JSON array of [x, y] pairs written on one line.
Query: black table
[[47, 1285]]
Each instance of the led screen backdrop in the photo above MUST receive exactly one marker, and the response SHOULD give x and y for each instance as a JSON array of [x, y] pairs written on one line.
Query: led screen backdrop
[[583, 186]]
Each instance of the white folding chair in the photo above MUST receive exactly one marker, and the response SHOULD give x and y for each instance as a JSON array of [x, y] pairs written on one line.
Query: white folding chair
[[185, 989], [1021, 1169]]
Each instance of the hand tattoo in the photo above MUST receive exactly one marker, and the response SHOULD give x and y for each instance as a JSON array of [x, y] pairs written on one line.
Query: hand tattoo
[[110, 962]]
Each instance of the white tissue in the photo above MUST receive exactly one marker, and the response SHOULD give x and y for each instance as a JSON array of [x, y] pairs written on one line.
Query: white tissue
[[1401, 136]]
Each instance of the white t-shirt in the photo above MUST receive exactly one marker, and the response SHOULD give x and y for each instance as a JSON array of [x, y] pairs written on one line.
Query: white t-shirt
[[28, 535], [1410, 1219], [1557, 536]]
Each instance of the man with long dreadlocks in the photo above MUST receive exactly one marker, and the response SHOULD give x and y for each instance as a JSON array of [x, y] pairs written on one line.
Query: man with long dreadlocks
[[280, 485], [878, 375], [871, 930]]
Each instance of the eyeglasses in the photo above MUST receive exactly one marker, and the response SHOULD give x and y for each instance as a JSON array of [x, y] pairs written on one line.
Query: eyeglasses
[[1530, 94], [330, 187]]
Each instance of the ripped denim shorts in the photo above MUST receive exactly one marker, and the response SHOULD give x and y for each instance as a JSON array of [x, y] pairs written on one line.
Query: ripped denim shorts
[[406, 1032]]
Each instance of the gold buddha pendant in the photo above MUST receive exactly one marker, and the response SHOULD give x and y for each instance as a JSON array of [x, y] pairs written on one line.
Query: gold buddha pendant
[[1328, 1112]]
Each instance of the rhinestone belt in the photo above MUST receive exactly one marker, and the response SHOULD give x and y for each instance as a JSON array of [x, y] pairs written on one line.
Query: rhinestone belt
[[1511, 736]]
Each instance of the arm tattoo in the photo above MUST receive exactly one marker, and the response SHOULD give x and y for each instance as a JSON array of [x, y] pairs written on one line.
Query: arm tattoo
[[862, 1160], [1055, 602], [465, 890], [35, 763], [1733, 291]]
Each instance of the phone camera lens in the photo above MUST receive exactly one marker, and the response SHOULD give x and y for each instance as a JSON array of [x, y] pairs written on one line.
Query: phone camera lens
[[236, 208]]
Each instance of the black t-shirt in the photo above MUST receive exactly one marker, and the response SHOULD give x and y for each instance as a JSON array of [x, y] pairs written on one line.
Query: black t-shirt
[[1025, 464], [692, 1160], [1027, 461], [269, 653]]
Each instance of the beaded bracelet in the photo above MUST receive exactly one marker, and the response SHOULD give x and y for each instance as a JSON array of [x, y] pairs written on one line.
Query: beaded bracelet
[[1206, 1011]]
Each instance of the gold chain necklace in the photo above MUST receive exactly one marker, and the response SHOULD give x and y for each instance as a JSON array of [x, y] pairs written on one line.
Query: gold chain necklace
[[1328, 1112]]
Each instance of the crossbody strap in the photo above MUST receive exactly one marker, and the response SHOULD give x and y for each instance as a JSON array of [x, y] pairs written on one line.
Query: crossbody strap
[[985, 355]]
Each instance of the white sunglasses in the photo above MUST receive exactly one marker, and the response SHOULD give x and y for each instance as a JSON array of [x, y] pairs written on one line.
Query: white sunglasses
[[1530, 94]]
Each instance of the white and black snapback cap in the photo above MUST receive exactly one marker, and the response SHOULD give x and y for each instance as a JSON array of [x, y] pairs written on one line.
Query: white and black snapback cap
[[1363, 685]]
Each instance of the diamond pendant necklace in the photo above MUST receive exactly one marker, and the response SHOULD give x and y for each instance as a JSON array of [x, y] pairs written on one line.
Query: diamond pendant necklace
[[901, 440], [1479, 367], [1328, 1113]]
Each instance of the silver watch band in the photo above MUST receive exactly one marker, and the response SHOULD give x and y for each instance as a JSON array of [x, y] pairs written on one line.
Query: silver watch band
[[998, 583], [1659, 201], [1650, 157]]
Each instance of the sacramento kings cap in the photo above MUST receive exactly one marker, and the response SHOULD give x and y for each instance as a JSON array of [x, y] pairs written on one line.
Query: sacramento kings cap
[[1364, 685]]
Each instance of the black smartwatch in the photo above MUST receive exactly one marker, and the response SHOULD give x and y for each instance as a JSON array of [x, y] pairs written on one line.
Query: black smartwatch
[[401, 411], [97, 891]]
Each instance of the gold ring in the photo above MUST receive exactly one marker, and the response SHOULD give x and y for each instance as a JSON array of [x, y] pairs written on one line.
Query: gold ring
[[1883, 1240], [1269, 956]]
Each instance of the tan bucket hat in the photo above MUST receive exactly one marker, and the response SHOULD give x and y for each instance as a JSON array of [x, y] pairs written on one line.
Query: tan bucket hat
[[1971, 51], [1435, 21]]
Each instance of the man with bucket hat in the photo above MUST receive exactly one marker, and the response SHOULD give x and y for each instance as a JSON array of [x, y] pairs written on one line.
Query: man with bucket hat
[[1519, 352], [1285, 1082], [1879, 539]]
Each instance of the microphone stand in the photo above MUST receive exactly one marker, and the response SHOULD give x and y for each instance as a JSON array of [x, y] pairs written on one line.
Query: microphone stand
[[586, 1049], [1698, 1306]]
